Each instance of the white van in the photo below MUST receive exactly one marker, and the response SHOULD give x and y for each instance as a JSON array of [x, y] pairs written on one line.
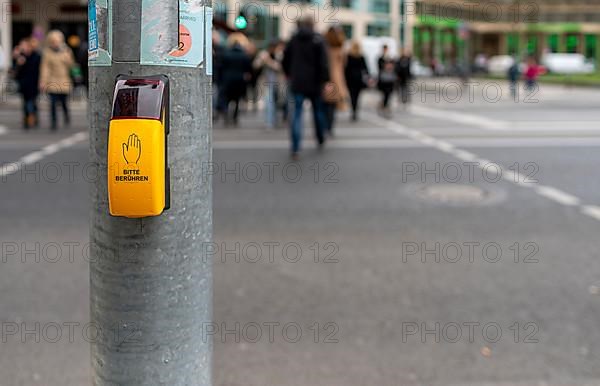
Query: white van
[[372, 48], [567, 64]]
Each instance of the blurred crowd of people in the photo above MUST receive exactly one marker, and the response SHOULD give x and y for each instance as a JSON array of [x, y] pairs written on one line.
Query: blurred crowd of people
[[529, 71], [54, 69], [323, 69]]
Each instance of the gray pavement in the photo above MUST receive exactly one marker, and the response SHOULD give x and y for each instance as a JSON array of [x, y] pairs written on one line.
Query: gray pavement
[[397, 256]]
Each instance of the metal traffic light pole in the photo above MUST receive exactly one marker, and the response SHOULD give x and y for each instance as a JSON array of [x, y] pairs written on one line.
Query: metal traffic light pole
[[150, 278]]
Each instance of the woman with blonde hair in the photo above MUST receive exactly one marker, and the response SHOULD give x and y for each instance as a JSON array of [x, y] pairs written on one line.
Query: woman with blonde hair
[[55, 74], [357, 75], [335, 93]]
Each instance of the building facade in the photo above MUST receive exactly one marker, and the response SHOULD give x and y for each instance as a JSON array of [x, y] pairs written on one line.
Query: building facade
[[266, 19], [445, 31], [358, 18], [23, 18], [36, 17], [448, 31]]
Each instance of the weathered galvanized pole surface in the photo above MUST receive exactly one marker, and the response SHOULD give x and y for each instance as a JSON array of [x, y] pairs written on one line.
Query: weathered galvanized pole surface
[[150, 278], [5, 44]]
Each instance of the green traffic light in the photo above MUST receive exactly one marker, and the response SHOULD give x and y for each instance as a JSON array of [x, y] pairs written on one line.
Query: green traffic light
[[241, 22]]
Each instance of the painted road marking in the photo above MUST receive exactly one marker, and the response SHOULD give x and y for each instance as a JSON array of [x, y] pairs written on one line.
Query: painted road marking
[[555, 125], [463, 118], [38, 155], [557, 195], [548, 192], [523, 142], [592, 211], [496, 125], [342, 142]]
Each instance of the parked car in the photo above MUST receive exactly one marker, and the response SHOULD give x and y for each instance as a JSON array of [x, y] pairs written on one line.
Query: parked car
[[419, 70], [372, 48], [567, 64], [499, 65]]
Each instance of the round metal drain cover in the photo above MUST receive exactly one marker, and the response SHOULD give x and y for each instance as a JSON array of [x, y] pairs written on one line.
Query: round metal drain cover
[[452, 194]]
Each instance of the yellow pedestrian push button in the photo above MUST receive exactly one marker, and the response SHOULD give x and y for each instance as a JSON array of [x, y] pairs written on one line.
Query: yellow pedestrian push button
[[138, 173]]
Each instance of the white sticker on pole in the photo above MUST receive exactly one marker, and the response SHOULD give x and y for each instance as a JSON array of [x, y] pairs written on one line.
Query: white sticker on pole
[[189, 52], [208, 37], [100, 32]]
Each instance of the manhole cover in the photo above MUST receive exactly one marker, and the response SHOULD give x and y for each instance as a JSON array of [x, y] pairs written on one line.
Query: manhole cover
[[452, 194]]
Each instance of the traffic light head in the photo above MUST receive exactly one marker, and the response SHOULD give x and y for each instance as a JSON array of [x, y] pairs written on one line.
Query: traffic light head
[[241, 22]]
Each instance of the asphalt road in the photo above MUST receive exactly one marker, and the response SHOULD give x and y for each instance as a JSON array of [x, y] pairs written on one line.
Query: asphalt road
[[452, 244]]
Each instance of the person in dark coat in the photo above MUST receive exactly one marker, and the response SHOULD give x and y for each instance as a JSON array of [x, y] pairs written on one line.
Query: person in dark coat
[[357, 76], [27, 73], [404, 76], [235, 73], [219, 100], [80, 52], [514, 73], [385, 57], [385, 84], [305, 64]]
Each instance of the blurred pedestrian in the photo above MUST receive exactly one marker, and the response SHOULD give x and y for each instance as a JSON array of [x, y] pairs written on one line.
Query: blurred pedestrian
[[4, 66], [252, 92], [531, 73], [218, 93], [385, 84], [79, 72], [305, 65], [335, 94], [514, 73], [434, 65], [55, 74], [235, 73], [385, 56], [27, 74], [357, 76], [404, 75], [481, 63], [269, 61]]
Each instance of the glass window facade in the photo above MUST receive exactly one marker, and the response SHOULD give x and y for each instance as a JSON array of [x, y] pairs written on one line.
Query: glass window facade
[[262, 27], [220, 10], [553, 43], [379, 6], [343, 3], [590, 46], [378, 29], [347, 28]]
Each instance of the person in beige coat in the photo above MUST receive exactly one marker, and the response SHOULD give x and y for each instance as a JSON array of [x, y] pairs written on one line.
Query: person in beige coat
[[335, 94], [55, 74]]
